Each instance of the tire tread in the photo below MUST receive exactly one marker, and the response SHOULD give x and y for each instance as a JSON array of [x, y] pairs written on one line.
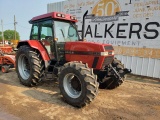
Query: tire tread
[[37, 66]]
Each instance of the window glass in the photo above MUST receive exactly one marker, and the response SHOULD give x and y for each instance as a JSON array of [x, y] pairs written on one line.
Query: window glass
[[46, 30], [65, 31], [34, 33]]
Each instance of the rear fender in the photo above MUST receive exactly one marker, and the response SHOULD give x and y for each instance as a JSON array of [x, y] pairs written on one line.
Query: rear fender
[[38, 46]]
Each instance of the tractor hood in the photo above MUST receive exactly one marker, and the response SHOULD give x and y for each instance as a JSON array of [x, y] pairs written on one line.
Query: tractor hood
[[88, 52]]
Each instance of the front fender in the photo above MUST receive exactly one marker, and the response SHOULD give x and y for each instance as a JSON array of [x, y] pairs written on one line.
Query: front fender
[[36, 45]]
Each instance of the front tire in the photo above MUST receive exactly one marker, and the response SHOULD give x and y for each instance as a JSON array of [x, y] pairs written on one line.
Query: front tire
[[78, 84], [112, 82], [29, 66]]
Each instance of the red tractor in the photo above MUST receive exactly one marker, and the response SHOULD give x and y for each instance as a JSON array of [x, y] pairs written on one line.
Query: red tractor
[[55, 50]]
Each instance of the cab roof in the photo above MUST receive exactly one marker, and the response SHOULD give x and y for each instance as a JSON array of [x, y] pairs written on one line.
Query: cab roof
[[54, 15]]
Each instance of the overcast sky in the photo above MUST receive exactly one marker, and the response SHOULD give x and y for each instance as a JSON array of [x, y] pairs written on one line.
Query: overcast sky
[[24, 10]]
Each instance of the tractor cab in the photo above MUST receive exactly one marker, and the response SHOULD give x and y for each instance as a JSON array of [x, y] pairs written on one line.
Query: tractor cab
[[53, 30]]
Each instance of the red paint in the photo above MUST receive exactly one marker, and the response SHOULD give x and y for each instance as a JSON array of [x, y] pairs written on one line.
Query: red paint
[[6, 49], [86, 46], [74, 46], [7, 60], [36, 45], [54, 16]]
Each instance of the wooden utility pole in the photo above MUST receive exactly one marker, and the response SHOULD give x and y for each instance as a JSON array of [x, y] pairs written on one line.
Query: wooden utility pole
[[14, 27], [2, 32]]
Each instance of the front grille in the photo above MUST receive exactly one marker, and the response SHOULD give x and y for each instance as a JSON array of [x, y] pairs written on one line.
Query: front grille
[[107, 60], [108, 48]]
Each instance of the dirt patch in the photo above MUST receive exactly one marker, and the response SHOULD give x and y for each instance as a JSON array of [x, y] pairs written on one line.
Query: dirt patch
[[137, 98]]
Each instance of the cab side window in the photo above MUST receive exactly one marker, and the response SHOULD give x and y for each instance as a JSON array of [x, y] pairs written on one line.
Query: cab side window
[[46, 30], [34, 32]]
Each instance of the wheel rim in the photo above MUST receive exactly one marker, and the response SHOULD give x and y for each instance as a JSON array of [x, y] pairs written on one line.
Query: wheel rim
[[72, 85], [23, 66]]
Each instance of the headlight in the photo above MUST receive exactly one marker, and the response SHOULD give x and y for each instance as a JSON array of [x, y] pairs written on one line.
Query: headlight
[[104, 53]]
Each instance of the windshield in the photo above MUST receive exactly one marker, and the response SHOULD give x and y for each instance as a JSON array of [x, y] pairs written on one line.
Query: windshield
[[65, 31]]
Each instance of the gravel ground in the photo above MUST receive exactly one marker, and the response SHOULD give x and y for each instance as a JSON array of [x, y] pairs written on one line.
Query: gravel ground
[[137, 98]]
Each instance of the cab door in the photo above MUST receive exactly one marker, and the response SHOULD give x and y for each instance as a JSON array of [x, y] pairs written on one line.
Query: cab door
[[43, 31], [46, 36]]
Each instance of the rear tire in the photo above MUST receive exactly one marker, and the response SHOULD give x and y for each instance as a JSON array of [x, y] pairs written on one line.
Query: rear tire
[[29, 66], [78, 84], [111, 82]]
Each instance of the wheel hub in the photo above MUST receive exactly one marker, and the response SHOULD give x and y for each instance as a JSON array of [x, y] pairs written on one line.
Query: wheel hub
[[72, 85], [75, 83]]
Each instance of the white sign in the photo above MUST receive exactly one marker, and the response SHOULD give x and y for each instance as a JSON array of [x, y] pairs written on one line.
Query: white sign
[[132, 23], [128, 24]]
